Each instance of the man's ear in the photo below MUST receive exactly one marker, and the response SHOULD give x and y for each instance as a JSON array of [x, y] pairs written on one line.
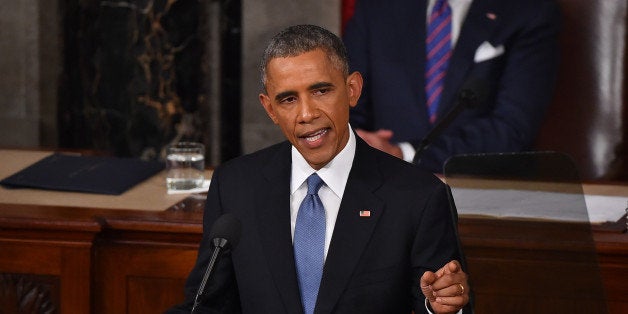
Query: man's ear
[[265, 100], [354, 88]]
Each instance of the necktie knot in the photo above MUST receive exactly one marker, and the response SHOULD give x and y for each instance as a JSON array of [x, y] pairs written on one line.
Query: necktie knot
[[439, 6], [314, 183]]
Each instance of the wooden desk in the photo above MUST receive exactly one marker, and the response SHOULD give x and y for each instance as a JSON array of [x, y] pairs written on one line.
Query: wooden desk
[[67, 252], [545, 267], [81, 259], [85, 260], [520, 265]]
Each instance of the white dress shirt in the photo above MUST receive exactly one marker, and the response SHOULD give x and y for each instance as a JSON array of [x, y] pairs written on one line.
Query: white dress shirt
[[334, 175]]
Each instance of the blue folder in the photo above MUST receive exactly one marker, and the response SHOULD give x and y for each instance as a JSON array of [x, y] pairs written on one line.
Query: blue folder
[[91, 174]]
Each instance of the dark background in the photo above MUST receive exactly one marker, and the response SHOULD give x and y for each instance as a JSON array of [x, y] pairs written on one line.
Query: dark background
[[135, 76]]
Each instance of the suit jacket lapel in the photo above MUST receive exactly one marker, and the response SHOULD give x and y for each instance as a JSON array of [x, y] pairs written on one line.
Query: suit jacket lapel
[[274, 229], [351, 232], [476, 29]]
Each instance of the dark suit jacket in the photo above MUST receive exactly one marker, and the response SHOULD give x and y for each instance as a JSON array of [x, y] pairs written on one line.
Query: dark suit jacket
[[386, 43], [373, 264]]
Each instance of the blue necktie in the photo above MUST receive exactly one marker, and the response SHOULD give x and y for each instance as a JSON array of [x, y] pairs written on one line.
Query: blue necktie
[[438, 49], [309, 243]]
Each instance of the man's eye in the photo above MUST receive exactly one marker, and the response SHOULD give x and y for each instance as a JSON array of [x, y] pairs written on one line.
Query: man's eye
[[288, 100], [321, 91]]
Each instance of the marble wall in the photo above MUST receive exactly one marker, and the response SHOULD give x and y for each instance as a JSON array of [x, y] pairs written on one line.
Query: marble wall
[[133, 75]]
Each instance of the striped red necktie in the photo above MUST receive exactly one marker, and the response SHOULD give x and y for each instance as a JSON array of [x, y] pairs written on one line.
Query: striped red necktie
[[438, 49]]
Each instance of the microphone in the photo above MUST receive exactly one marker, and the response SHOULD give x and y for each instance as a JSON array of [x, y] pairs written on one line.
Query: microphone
[[472, 94], [225, 233]]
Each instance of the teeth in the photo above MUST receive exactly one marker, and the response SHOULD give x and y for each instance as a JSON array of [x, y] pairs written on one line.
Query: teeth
[[316, 136]]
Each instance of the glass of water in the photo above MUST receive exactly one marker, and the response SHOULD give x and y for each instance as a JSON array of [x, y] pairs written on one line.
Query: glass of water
[[185, 166]]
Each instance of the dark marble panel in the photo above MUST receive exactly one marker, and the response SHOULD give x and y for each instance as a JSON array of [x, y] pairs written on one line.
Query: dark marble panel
[[133, 76]]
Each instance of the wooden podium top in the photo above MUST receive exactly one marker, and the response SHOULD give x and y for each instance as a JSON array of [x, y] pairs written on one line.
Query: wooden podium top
[[150, 195]]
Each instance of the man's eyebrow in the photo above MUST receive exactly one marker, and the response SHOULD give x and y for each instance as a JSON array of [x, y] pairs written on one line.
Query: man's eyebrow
[[285, 94], [314, 86], [320, 85]]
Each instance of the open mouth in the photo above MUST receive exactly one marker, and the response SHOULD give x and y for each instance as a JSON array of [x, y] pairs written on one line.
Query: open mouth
[[315, 136]]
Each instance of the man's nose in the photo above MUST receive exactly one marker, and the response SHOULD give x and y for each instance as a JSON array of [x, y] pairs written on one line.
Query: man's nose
[[308, 111]]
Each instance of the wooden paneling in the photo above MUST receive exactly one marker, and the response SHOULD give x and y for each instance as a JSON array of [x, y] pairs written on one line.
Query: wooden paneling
[[143, 259], [153, 295], [118, 261], [152, 277], [518, 266], [39, 244]]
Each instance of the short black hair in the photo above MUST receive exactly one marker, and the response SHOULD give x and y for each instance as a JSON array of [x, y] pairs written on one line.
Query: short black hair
[[298, 39]]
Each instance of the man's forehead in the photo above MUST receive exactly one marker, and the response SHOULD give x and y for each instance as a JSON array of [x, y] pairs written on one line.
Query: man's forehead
[[292, 68], [316, 54]]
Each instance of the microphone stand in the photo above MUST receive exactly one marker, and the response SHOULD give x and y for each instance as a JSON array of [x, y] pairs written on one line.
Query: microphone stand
[[468, 98], [219, 243]]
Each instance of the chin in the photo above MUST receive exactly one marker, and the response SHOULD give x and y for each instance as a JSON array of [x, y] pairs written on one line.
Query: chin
[[319, 161]]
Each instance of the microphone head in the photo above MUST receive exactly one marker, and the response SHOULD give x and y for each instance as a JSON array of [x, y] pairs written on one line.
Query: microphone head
[[473, 93], [226, 229]]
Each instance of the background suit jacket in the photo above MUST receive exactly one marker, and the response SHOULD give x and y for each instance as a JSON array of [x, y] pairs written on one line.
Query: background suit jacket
[[373, 264], [386, 43]]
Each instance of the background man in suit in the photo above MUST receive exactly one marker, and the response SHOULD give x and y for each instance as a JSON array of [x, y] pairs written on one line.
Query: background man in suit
[[388, 237], [510, 46]]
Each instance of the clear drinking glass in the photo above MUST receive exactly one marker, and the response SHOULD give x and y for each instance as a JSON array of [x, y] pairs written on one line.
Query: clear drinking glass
[[185, 165]]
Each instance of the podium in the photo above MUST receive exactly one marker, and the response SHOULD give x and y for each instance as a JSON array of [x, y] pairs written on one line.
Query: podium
[[526, 235], [95, 256]]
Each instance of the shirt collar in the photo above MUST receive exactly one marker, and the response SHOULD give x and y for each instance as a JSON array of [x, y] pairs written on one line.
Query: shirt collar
[[334, 174]]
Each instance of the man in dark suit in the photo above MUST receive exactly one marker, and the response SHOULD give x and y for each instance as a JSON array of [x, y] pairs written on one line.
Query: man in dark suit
[[388, 235], [510, 46]]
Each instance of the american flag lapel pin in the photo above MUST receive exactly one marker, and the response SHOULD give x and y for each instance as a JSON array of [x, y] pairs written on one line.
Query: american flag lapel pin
[[365, 213], [491, 16]]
